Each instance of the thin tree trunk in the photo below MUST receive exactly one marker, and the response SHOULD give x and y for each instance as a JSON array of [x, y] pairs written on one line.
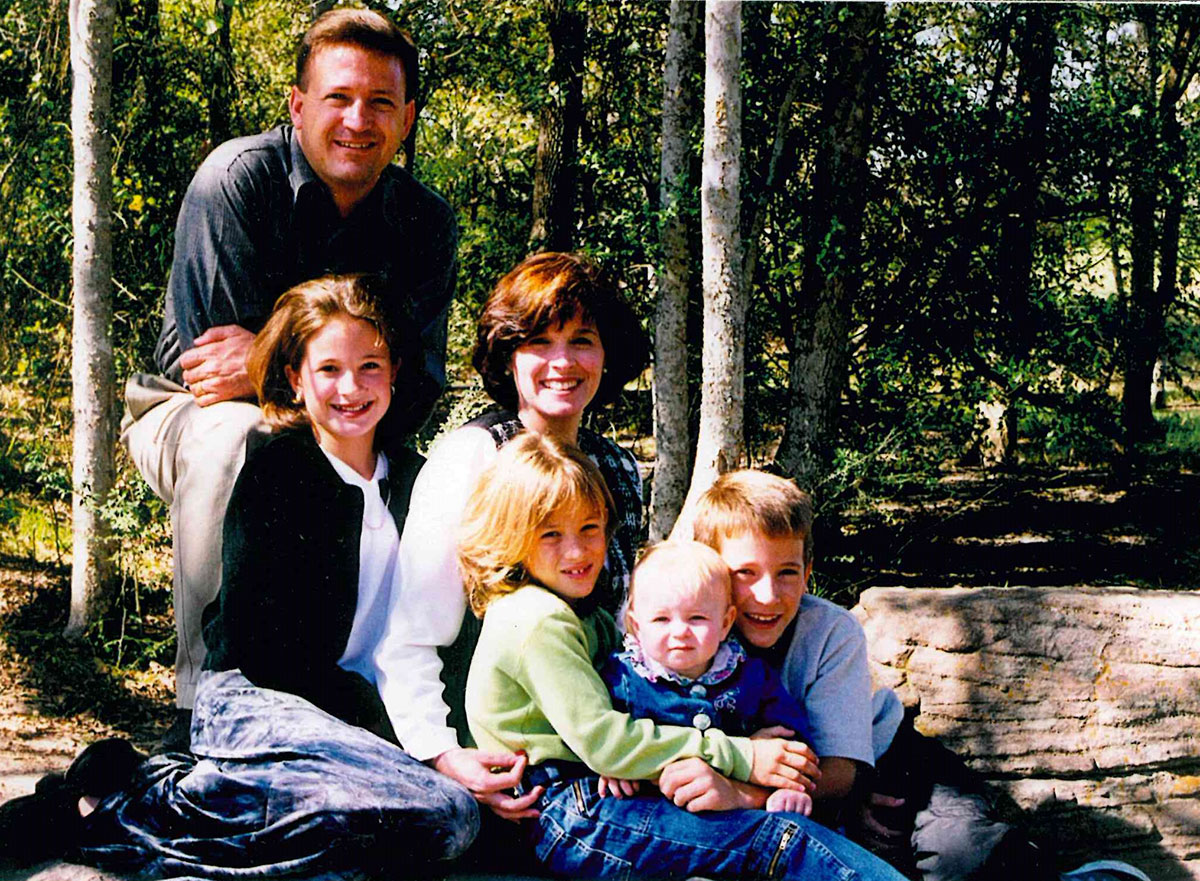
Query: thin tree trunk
[[558, 131], [1141, 251], [1035, 46], [673, 453], [775, 174], [92, 377], [1148, 302], [220, 76], [832, 242], [719, 446]]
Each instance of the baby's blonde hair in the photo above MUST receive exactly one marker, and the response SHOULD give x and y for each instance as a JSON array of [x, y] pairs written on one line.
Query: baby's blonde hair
[[686, 565], [533, 477]]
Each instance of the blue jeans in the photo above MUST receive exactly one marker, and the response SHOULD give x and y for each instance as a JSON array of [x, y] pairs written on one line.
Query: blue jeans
[[278, 787], [581, 835]]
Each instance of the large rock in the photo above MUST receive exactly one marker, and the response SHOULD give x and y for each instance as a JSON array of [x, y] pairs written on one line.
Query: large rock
[[1082, 704]]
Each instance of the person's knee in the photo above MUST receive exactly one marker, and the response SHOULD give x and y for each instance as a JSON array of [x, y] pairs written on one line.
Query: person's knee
[[219, 432], [955, 834]]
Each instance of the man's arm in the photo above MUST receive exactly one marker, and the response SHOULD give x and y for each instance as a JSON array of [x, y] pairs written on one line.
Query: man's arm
[[216, 295], [215, 367]]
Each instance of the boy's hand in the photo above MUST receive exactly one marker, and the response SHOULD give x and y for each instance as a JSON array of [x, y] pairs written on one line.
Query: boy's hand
[[491, 777], [693, 785], [617, 788], [790, 801], [784, 764]]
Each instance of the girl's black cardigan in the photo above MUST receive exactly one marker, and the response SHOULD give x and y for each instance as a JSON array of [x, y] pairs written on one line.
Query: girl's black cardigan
[[289, 581]]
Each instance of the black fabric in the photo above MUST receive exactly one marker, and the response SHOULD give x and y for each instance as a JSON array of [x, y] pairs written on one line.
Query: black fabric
[[257, 220], [42, 826], [290, 577]]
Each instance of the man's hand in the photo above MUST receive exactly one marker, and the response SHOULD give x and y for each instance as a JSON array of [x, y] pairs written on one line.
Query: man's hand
[[693, 785], [790, 801], [215, 367], [490, 777], [617, 788], [784, 764]]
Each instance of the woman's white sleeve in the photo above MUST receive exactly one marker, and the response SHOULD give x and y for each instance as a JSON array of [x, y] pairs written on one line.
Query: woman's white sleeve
[[427, 603]]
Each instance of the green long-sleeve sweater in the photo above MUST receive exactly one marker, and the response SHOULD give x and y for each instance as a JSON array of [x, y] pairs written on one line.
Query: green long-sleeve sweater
[[533, 685]]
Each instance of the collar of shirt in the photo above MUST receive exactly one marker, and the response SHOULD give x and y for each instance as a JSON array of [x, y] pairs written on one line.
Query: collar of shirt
[[375, 508], [725, 662], [385, 198]]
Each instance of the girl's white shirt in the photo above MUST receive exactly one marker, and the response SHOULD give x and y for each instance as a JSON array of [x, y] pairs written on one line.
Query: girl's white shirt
[[377, 554]]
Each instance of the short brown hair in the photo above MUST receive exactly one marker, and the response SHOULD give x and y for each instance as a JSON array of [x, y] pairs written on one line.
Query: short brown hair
[[533, 476], [366, 29], [299, 314], [747, 501], [546, 290]]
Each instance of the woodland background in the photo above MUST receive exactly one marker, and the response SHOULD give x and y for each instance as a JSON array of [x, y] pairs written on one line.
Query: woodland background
[[969, 251]]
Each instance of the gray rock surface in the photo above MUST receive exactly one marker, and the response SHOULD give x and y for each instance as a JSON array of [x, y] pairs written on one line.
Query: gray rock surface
[[1081, 704]]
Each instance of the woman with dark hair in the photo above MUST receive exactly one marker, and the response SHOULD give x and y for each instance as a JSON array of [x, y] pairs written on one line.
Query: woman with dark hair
[[554, 340]]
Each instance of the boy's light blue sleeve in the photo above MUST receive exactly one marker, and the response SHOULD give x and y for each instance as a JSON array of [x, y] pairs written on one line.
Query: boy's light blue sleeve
[[826, 670]]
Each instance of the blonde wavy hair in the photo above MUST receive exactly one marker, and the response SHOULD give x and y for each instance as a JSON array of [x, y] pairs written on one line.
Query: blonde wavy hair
[[533, 477]]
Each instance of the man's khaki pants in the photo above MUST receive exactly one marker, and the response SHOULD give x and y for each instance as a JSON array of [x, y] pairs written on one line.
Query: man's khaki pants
[[190, 456]]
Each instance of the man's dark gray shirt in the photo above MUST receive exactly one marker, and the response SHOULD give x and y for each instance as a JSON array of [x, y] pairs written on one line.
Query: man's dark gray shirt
[[257, 220]]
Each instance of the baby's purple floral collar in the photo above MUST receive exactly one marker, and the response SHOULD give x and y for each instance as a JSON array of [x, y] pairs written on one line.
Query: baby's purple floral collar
[[725, 662]]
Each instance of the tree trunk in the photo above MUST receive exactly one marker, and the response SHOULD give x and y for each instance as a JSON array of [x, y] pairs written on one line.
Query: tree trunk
[[1139, 355], [1159, 174], [92, 378], [832, 241], [1035, 45], [719, 446], [220, 76], [558, 131], [673, 454]]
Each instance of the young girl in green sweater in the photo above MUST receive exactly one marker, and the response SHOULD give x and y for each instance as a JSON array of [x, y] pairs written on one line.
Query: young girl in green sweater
[[532, 545]]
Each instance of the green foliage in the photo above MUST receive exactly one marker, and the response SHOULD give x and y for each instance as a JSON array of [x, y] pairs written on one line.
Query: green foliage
[[933, 332]]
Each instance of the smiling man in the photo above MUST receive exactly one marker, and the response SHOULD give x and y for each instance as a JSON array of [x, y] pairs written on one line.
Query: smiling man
[[262, 214]]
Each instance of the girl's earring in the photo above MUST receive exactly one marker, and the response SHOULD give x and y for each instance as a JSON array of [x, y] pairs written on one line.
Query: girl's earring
[[393, 389], [298, 397]]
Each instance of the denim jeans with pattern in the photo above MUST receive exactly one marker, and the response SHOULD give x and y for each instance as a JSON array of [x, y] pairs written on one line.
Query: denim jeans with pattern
[[276, 788], [581, 835]]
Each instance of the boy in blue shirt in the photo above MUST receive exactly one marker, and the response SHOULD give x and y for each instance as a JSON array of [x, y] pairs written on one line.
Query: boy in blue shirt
[[904, 795]]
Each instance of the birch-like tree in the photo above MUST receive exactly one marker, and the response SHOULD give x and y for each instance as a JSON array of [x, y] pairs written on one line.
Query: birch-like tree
[[720, 445], [673, 451], [92, 376]]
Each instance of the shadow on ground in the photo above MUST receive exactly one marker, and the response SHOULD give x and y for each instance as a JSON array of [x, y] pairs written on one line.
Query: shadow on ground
[[1049, 528], [57, 678]]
